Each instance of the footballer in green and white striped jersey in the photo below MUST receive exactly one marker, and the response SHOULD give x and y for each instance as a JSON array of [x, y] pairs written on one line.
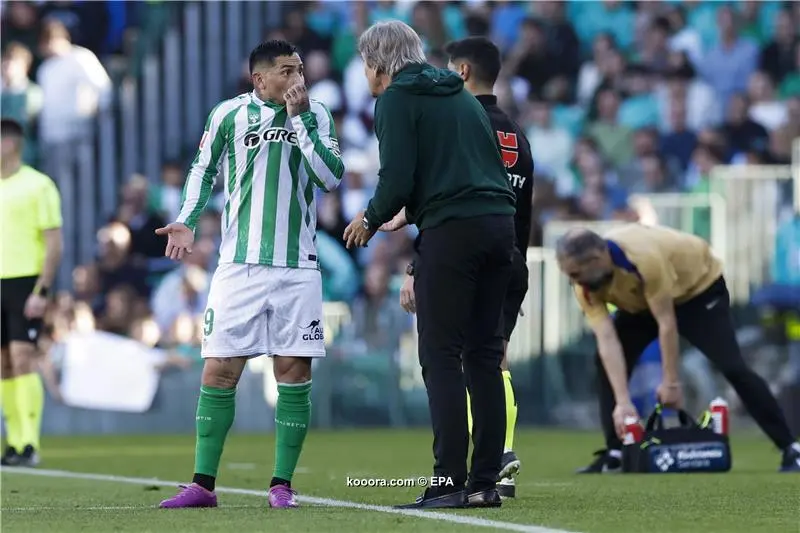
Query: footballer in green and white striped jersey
[[270, 164]]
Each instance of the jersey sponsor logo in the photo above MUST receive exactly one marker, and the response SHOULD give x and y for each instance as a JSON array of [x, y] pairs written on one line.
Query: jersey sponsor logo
[[508, 148], [313, 331], [270, 135]]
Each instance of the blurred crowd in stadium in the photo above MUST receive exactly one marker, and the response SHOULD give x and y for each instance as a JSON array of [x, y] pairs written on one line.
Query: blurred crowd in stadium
[[618, 98]]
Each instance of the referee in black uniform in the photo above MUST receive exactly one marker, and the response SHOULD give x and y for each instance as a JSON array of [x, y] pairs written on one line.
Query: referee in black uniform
[[439, 160], [477, 61]]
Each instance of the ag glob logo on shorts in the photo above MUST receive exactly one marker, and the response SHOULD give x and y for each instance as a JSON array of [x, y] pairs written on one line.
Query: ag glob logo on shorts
[[313, 331]]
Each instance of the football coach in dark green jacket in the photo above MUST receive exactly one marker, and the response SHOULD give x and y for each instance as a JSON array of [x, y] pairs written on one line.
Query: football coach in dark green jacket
[[440, 165]]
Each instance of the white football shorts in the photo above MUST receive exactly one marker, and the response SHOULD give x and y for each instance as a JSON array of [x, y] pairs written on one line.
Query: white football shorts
[[257, 310]]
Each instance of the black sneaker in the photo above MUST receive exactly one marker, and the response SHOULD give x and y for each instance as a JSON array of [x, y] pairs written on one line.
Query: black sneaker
[[604, 463], [791, 460], [509, 466], [29, 458], [10, 457]]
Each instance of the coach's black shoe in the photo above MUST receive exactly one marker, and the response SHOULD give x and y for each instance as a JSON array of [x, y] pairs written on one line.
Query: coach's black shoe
[[791, 459], [484, 498], [428, 500], [510, 465], [604, 463], [29, 458], [10, 457]]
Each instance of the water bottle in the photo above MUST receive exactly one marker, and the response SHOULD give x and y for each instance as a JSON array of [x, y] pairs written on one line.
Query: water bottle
[[719, 416]]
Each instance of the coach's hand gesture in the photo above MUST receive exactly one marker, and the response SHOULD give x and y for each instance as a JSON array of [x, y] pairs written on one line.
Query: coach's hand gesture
[[398, 222], [297, 100], [355, 234], [621, 412], [179, 240]]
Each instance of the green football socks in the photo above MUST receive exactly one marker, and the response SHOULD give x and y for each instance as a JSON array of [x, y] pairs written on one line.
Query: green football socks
[[216, 409], [292, 416]]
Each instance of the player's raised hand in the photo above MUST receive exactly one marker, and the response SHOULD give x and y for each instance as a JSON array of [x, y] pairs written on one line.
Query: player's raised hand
[[179, 240], [297, 100]]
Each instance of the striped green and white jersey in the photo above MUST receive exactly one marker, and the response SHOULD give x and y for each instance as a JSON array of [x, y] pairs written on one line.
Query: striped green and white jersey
[[270, 165]]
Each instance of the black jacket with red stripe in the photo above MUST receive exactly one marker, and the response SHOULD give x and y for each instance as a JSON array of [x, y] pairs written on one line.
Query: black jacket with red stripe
[[516, 152]]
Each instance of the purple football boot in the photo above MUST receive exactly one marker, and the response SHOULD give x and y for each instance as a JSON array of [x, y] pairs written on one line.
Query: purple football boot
[[190, 496], [282, 497]]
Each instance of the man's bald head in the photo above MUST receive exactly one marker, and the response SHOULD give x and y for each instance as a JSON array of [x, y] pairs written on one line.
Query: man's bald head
[[583, 256]]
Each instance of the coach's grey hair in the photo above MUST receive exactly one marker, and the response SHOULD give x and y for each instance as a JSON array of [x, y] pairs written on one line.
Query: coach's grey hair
[[390, 46]]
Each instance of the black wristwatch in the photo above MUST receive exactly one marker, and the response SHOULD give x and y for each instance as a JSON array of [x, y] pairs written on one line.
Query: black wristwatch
[[410, 269], [365, 223]]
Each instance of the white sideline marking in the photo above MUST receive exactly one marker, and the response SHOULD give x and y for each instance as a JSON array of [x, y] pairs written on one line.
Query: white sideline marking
[[429, 515], [100, 508]]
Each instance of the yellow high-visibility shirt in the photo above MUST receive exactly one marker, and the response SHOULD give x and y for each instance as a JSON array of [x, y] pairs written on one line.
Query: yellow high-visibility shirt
[[29, 204]]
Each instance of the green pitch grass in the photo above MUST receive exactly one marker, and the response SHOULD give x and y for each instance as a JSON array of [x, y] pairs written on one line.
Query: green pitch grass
[[752, 498]]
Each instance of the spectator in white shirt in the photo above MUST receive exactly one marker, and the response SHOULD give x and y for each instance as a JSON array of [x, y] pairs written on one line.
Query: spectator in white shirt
[[74, 85], [321, 86], [703, 108], [765, 109], [684, 38], [551, 146], [360, 103], [589, 77]]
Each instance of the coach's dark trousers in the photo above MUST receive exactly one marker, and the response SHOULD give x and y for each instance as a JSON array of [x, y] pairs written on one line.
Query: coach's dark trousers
[[462, 271], [705, 321]]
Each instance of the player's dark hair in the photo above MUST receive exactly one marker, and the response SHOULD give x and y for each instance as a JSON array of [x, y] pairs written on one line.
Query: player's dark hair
[[268, 51], [481, 53], [11, 128], [578, 243]]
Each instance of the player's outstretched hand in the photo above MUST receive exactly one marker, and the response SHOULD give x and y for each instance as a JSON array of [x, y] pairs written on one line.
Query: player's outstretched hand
[[399, 221], [179, 240], [297, 100]]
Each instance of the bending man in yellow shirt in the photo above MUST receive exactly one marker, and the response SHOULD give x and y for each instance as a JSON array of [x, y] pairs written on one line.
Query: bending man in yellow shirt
[[663, 283], [30, 250]]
